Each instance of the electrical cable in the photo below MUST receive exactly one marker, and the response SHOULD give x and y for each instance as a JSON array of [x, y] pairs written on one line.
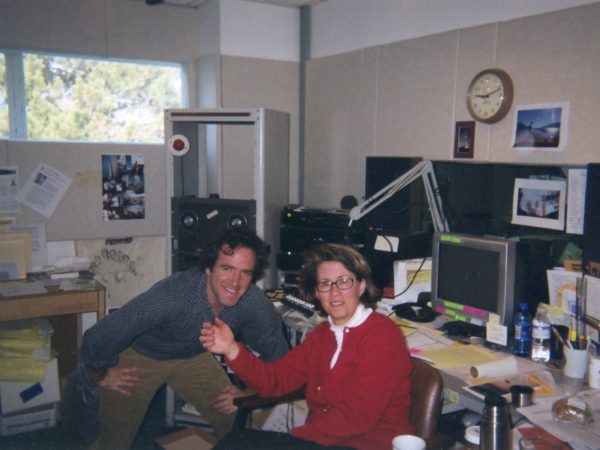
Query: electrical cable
[[413, 278]]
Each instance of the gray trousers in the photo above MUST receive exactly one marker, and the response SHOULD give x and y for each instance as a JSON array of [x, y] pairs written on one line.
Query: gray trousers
[[197, 380]]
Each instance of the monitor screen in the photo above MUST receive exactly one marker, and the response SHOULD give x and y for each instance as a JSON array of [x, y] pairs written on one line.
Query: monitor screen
[[473, 277]]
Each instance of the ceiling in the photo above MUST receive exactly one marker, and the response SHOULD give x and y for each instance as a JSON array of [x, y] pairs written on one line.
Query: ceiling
[[196, 3]]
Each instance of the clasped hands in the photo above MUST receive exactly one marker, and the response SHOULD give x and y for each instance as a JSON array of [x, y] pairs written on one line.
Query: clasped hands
[[218, 338]]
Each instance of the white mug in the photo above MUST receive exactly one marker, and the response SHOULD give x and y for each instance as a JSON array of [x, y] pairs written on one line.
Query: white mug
[[577, 362], [408, 442]]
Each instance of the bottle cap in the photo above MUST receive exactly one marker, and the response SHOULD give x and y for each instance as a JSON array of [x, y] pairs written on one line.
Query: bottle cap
[[472, 434]]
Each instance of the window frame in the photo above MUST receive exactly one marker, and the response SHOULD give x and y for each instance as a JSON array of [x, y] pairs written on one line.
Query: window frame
[[17, 97]]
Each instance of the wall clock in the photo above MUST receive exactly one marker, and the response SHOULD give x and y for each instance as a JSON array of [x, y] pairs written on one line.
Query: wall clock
[[490, 95]]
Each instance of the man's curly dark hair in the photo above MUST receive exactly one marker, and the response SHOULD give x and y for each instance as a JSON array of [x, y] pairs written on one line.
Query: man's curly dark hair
[[231, 239]]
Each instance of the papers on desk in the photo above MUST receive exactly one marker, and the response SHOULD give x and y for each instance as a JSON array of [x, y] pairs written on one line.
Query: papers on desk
[[16, 288], [420, 338], [586, 437], [561, 289], [541, 381]]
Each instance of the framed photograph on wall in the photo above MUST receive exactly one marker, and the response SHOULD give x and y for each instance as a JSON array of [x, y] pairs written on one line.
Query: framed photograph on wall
[[539, 203], [541, 126], [464, 139]]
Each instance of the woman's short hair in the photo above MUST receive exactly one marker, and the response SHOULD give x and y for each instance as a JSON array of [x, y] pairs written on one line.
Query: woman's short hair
[[231, 239], [351, 260]]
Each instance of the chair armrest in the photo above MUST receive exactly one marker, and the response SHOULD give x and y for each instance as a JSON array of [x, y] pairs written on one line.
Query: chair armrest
[[256, 401], [248, 403]]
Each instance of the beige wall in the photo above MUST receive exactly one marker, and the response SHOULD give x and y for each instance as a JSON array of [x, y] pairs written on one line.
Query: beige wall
[[248, 83], [403, 99], [111, 28]]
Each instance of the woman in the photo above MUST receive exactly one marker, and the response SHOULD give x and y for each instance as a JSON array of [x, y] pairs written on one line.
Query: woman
[[356, 366]]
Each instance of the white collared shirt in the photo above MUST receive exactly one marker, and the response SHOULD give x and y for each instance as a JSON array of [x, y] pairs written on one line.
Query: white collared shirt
[[359, 316]]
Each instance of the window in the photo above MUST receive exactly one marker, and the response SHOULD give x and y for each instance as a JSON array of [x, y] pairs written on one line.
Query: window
[[3, 99], [88, 99]]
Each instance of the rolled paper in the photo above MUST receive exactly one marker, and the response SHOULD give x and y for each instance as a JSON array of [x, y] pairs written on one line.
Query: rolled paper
[[504, 367]]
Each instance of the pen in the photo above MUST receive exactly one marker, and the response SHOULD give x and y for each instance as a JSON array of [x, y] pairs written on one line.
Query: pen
[[559, 337]]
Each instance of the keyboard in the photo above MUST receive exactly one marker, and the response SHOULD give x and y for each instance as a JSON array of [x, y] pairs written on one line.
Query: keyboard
[[291, 300]]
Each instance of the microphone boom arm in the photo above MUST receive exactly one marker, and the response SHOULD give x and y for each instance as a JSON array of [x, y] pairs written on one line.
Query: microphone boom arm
[[424, 170]]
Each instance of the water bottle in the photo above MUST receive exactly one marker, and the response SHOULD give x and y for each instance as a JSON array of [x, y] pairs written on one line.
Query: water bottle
[[540, 334], [495, 428], [522, 339]]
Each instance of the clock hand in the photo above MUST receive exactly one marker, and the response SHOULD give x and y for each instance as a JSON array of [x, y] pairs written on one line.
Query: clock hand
[[488, 94]]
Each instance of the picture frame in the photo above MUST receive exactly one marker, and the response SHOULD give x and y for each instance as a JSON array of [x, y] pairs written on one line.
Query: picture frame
[[541, 126], [539, 203], [464, 140]]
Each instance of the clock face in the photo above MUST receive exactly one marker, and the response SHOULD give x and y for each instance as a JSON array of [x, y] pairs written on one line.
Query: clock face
[[489, 96]]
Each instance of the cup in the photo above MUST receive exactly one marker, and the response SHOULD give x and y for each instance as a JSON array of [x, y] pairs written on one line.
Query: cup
[[521, 395], [576, 362], [537, 443], [408, 442]]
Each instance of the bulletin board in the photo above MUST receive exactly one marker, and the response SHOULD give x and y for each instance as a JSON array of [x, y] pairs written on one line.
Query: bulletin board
[[79, 213], [125, 268]]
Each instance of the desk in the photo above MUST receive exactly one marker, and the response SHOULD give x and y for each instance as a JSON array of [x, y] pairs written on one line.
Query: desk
[[63, 309]]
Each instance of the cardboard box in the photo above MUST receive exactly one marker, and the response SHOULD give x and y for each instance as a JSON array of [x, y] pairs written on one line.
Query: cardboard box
[[188, 439], [35, 419], [15, 396]]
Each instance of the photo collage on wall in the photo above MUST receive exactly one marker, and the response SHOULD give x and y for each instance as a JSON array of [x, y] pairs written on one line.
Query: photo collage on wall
[[123, 187]]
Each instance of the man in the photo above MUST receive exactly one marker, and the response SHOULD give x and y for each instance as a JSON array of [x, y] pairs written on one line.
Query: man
[[154, 339]]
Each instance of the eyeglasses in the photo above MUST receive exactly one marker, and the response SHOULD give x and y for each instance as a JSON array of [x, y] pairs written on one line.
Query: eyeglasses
[[342, 284]]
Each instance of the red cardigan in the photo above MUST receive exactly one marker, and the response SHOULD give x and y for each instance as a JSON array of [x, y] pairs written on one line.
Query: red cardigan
[[363, 402]]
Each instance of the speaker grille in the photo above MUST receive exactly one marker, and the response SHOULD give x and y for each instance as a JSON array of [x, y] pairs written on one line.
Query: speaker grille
[[195, 221]]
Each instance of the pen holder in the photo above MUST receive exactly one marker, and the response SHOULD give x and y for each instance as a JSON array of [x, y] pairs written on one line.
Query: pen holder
[[576, 362]]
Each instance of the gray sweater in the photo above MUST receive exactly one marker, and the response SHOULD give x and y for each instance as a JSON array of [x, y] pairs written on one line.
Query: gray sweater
[[164, 323]]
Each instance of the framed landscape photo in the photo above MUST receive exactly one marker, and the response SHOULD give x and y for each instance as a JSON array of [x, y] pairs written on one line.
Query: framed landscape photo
[[539, 203], [541, 126], [464, 139]]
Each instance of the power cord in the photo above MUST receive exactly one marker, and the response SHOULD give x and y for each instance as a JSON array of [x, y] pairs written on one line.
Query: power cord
[[414, 277]]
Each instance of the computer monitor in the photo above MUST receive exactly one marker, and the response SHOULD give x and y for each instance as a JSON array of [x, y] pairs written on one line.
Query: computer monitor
[[473, 277]]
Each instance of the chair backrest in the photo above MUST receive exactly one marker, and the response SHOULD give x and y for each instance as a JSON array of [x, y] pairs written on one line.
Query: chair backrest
[[426, 396]]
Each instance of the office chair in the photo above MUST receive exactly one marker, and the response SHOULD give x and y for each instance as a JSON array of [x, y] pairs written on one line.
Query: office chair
[[425, 410]]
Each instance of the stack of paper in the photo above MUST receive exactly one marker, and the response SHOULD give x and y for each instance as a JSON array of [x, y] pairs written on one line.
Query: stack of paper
[[24, 349]]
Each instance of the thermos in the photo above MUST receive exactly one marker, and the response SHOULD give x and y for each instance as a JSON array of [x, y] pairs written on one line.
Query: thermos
[[495, 424]]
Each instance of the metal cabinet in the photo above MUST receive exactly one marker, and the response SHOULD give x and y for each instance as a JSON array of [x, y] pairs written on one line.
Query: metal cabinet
[[232, 154]]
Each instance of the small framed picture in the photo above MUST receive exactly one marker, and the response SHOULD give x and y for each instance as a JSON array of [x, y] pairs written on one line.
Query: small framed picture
[[464, 139], [541, 126], [539, 203]]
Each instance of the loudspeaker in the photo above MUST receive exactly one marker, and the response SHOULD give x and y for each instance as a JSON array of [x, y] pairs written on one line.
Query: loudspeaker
[[196, 221]]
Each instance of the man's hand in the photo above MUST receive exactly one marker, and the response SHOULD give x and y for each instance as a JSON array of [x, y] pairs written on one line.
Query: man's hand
[[122, 379], [218, 338], [223, 403]]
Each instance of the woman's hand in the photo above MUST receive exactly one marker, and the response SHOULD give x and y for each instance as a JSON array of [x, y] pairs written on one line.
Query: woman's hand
[[218, 338]]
